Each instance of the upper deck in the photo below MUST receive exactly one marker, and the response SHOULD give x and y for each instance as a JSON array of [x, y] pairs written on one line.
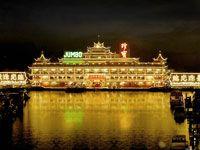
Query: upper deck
[[98, 55]]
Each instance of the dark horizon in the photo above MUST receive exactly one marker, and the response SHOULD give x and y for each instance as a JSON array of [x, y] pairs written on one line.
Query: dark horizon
[[147, 26]]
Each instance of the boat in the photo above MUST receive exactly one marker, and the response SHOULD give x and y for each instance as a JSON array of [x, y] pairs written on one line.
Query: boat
[[196, 94], [188, 102], [179, 114], [176, 99], [11, 105], [179, 142], [196, 102]]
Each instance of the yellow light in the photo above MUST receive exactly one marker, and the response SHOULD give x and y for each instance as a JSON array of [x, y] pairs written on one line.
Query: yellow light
[[54, 83], [45, 77], [149, 77], [105, 70], [140, 83], [96, 70]]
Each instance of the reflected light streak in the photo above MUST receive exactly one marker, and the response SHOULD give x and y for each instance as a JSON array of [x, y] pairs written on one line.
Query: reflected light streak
[[97, 117]]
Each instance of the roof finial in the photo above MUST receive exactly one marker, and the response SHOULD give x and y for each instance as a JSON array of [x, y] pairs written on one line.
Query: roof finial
[[42, 58], [160, 57], [98, 36]]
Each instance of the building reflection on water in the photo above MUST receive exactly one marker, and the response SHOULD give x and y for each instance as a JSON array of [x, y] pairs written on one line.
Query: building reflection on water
[[96, 120]]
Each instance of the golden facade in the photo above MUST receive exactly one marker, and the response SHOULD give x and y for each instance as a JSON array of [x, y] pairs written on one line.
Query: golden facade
[[98, 67]]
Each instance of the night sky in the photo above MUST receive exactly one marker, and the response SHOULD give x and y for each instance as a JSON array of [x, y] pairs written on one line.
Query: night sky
[[148, 26]]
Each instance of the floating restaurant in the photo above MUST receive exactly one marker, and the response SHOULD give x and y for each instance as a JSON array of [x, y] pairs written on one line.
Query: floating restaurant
[[98, 67]]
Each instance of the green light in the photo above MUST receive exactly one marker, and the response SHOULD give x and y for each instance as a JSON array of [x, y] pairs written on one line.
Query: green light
[[74, 117], [72, 61]]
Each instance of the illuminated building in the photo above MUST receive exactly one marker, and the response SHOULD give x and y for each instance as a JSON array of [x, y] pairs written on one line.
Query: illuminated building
[[98, 67]]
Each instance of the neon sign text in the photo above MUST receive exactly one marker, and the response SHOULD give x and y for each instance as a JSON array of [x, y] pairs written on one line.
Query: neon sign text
[[185, 79], [124, 49], [73, 55], [124, 46], [13, 78]]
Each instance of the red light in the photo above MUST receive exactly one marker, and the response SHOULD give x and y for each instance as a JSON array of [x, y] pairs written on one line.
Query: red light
[[124, 46]]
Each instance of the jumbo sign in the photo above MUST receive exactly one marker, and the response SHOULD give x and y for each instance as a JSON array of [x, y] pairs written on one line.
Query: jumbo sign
[[73, 55], [13, 78]]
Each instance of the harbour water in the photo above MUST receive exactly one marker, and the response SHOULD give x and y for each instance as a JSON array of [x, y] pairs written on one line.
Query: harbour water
[[94, 120]]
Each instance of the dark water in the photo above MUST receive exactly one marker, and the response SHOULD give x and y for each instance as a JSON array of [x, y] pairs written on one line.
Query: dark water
[[94, 120]]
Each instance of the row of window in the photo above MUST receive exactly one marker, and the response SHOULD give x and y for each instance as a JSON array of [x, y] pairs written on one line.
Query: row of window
[[111, 71], [131, 69], [111, 78]]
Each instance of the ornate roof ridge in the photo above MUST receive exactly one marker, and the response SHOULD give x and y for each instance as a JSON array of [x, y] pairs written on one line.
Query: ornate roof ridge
[[160, 57], [42, 58], [99, 45]]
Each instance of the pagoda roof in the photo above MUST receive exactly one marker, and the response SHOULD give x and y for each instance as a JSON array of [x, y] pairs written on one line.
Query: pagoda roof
[[160, 58], [99, 45], [42, 59], [98, 48]]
